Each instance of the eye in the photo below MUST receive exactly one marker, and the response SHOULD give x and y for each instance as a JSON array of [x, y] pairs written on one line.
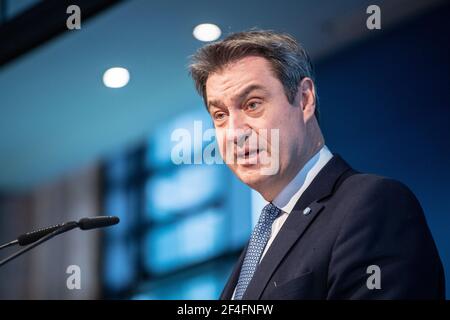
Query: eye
[[253, 105], [219, 115]]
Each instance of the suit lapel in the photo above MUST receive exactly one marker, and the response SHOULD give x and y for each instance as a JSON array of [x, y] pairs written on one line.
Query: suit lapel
[[296, 224]]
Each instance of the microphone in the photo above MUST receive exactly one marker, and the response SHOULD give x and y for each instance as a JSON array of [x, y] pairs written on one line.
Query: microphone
[[97, 222], [83, 224], [37, 237]]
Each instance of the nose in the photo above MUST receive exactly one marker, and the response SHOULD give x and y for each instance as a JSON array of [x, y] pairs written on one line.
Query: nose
[[238, 130]]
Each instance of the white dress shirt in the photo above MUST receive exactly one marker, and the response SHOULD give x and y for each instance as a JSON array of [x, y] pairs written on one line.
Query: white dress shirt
[[289, 196]]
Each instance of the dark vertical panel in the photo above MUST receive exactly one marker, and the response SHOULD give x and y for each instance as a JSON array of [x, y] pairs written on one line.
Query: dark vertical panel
[[386, 108]]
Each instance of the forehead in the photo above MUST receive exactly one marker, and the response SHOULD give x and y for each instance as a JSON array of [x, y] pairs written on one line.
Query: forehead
[[235, 76]]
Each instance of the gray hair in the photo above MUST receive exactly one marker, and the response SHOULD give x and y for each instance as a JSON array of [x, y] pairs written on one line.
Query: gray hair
[[288, 59]]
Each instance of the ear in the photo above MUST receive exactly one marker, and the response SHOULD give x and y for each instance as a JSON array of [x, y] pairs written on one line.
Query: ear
[[307, 92]]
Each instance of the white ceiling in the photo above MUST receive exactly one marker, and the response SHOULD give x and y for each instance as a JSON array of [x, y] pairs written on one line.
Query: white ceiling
[[56, 115]]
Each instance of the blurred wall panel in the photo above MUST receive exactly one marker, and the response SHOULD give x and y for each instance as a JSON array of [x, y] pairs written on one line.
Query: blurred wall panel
[[41, 273], [14, 219]]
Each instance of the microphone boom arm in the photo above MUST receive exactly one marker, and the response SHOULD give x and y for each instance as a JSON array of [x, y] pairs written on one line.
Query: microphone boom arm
[[66, 227]]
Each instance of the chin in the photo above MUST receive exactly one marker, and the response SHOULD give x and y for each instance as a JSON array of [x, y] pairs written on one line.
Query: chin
[[252, 177]]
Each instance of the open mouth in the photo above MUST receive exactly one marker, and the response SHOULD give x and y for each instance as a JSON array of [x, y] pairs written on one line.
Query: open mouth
[[248, 153], [249, 157]]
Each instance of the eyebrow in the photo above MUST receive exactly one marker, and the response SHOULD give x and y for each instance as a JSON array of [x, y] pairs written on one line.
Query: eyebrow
[[239, 97]]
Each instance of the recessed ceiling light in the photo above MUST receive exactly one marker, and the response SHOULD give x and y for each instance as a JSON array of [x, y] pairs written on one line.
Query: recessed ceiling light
[[116, 77], [207, 32]]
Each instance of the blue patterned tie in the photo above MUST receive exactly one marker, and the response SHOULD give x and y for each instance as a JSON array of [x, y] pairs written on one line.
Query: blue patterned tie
[[258, 241]]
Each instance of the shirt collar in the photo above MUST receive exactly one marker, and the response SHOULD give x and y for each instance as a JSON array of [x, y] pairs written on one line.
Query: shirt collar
[[289, 196]]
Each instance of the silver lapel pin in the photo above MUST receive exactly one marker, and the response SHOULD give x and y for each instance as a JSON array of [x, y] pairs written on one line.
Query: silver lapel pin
[[307, 211]]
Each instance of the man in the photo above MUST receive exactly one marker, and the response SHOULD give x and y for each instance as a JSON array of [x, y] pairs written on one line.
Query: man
[[327, 232]]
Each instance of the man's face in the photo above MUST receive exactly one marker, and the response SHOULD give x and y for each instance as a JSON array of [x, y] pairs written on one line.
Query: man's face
[[246, 101]]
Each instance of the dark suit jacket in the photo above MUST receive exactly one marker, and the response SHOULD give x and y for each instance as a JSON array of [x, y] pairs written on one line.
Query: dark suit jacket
[[356, 220]]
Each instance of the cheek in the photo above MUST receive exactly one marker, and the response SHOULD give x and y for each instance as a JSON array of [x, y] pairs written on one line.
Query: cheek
[[221, 139], [278, 130], [290, 134]]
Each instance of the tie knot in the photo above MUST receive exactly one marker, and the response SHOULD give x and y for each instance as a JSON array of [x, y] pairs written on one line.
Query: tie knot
[[269, 213]]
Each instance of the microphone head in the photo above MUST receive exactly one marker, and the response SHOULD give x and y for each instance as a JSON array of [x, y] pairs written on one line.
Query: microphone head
[[97, 222]]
